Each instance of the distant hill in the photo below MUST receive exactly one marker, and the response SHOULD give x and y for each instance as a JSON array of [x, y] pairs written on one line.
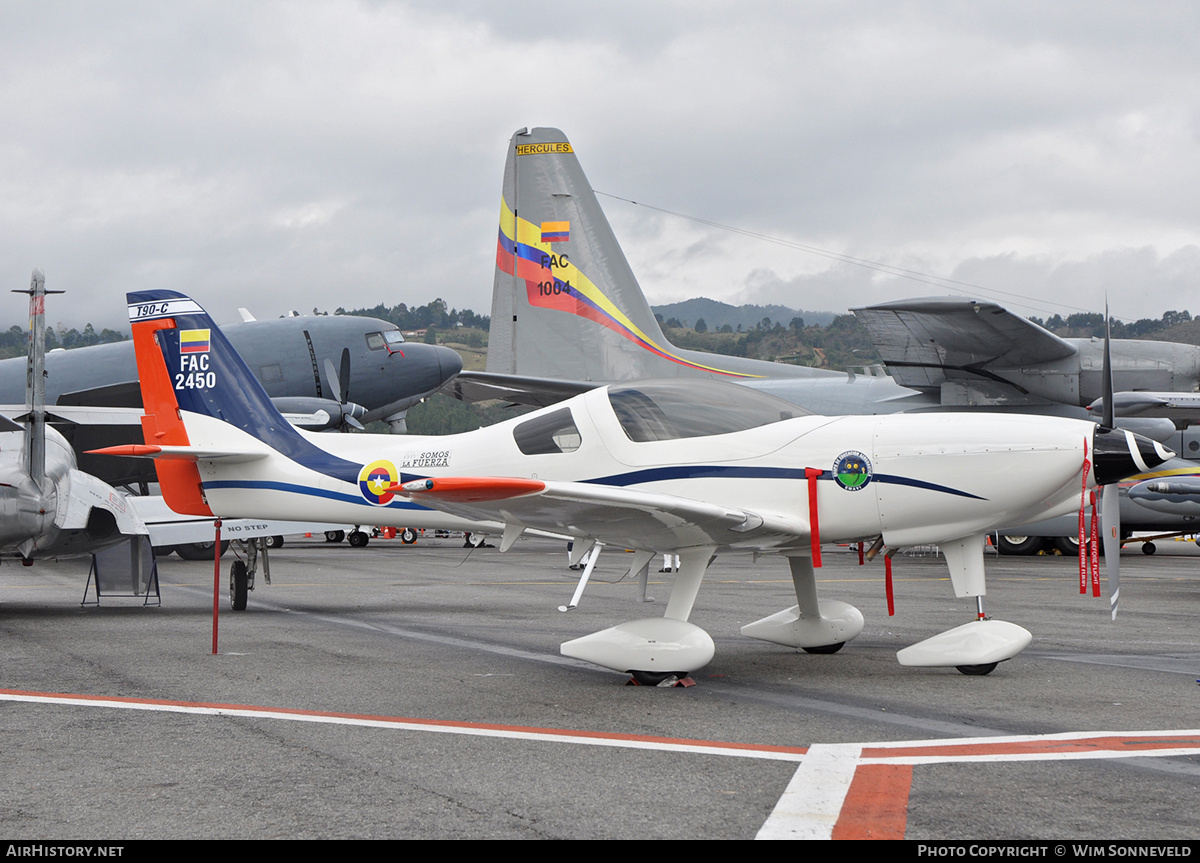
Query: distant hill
[[717, 314]]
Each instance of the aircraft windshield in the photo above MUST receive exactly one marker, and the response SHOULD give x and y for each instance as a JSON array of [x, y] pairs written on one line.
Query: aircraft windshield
[[670, 410]]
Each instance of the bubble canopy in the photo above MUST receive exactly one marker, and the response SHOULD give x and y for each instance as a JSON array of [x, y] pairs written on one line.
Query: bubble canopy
[[676, 409]]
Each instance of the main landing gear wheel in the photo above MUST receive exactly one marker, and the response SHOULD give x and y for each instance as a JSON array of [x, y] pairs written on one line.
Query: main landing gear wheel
[[1018, 544], [978, 670], [274, 541], [335, 535], [408, 536], [358, 539], [826, 648], [1149, 548], [1068, 545], [238, 586]]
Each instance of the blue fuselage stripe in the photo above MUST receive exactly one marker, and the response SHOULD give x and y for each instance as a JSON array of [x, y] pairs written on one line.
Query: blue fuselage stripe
[[658, 474], [637, 477]]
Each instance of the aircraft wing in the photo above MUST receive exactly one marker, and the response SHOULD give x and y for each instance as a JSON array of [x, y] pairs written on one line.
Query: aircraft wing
[[921, 339], [518, 389], [618, 516], [82, 415]]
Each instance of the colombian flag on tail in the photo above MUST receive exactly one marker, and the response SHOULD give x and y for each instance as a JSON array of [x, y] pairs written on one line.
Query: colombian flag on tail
[[193, 341], [556, 232]]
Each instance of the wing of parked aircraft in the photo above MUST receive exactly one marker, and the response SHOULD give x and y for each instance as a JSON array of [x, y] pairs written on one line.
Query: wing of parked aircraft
[[971, 352], [641, 519], [470, 386], [920, 340], [689, 468]]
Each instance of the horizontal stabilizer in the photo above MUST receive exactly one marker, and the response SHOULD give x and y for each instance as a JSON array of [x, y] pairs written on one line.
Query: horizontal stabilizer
[[182, 453]]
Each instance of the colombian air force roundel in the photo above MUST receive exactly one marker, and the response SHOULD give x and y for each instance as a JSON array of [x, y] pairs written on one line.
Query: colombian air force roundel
[[374, 478], [852, 471]]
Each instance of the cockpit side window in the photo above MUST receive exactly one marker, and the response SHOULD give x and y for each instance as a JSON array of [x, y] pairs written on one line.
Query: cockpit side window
[[554, 432], [375, 341]]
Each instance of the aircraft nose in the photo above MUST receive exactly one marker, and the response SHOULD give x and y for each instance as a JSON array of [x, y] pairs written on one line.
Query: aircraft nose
[[1117, 453], [449, 363]]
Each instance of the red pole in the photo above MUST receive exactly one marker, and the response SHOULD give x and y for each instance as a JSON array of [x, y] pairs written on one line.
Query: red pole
[[216, 584], [812, 474]]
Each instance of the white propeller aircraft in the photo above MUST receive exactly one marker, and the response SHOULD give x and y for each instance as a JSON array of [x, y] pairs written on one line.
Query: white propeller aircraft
[[686, 467]]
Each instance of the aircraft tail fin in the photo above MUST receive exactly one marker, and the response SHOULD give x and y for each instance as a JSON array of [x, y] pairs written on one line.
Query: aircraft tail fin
[[565, 303], [35, 380], [189, 371]]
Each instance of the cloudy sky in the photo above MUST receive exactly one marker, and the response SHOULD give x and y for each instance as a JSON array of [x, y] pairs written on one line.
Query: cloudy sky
[[292, 155]]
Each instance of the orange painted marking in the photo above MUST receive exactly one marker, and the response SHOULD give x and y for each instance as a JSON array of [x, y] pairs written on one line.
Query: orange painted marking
[[1036, 747], [876, 806]]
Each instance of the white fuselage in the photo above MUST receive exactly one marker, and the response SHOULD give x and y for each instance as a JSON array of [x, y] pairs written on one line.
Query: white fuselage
[[932, 477]]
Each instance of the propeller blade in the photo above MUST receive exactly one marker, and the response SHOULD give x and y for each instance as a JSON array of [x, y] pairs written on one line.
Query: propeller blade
[[339, 384], [344, 374], [1110, 500], [331, 378], [1110, 521], [1109, 401]]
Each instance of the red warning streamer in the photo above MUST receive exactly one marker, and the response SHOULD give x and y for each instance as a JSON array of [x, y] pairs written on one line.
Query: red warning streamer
[[1094, 556], [887, 570], [1083, 567]]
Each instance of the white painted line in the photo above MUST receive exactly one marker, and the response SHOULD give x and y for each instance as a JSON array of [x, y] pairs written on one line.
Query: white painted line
[[475, 729], [812, 802]]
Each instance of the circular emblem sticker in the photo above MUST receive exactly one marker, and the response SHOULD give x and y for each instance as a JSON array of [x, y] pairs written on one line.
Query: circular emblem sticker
[[852, 471], [375, 478]]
